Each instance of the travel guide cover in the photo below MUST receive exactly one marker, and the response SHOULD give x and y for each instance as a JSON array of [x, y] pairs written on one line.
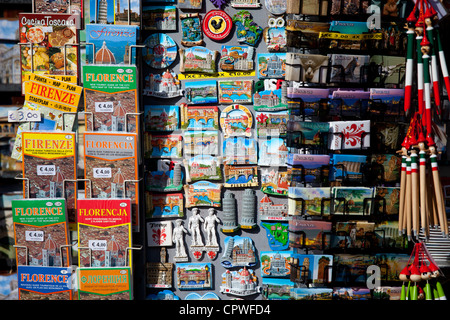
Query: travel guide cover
[[110, 98], [45, 283], [111, 168], [104, 283], [110, 44], [104, 232], [41, 232], [49, 167]]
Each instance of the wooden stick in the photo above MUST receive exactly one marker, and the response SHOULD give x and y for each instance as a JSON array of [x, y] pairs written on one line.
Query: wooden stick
[[433, 60], [408, 198], [402, 193], [415, 193], [437, 189], [423, 188]]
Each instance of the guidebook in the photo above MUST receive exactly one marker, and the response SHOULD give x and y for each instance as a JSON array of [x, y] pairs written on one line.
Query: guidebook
[[104, 283], [49, 167], [110, 98], [104, 232], [111, 168], [41, 232]]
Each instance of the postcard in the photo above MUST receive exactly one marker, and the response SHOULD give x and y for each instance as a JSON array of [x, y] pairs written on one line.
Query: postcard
[[349, 103], [309, 201], [352, 200], [349, 68], [272, 151], [311, 234], [347, 166], [303, 67]]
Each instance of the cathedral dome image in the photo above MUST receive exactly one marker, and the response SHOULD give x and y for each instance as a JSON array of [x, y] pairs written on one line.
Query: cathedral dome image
[[104, 55]]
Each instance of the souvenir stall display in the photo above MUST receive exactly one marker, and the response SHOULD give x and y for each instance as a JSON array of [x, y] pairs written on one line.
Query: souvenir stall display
[[233, 150]]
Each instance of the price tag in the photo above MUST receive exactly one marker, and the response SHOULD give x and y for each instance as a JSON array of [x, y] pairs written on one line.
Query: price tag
[[34, 235], [102, 173], [97, 245], [24, 115], [104, 106], [46, 170]]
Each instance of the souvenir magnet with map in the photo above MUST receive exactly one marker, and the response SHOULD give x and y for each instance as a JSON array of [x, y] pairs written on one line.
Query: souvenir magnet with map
[[247, 31], [217, 25], [191, 30], [160, 51]]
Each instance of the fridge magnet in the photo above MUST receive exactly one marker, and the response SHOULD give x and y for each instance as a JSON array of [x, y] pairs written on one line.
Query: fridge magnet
[[210, 226], [268, 210], [312, 68], [202, 167], [159, 18], [236, 120], [218, 3], [236, 58], [349, 68], [347, 166], [275, 263], [217, 25], [349, 135], [229, 221], [194, 276], [274, 182], [275, 35], [245, 3], [161, 117], [201, 142], [348, 103], [159, 233], [242, 282], [163, 146], [196, 246], [240, 150], [247, 31], [272, 151], [199, 117], [165, 85], [165, 205], [197, 296], [352, 200], [163, 295], [190, 4], [277, 234], [198, 59], [167, 177], [203, 194], [240, 176], [235, 91], [201, 92], [248, 210], [191, 30], [272, 124], [159, 274], [239, 252], [271, 99], [307, 133], [178, 238], [271, 288], [160, 51], [311, 234], [276, 7], [271, 65], [309, 201]]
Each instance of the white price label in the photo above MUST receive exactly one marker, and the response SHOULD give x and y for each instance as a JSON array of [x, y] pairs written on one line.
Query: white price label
[[34, 235], [97, 245], [46, 170], [24, 116], [104, 106], [102, 173]]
